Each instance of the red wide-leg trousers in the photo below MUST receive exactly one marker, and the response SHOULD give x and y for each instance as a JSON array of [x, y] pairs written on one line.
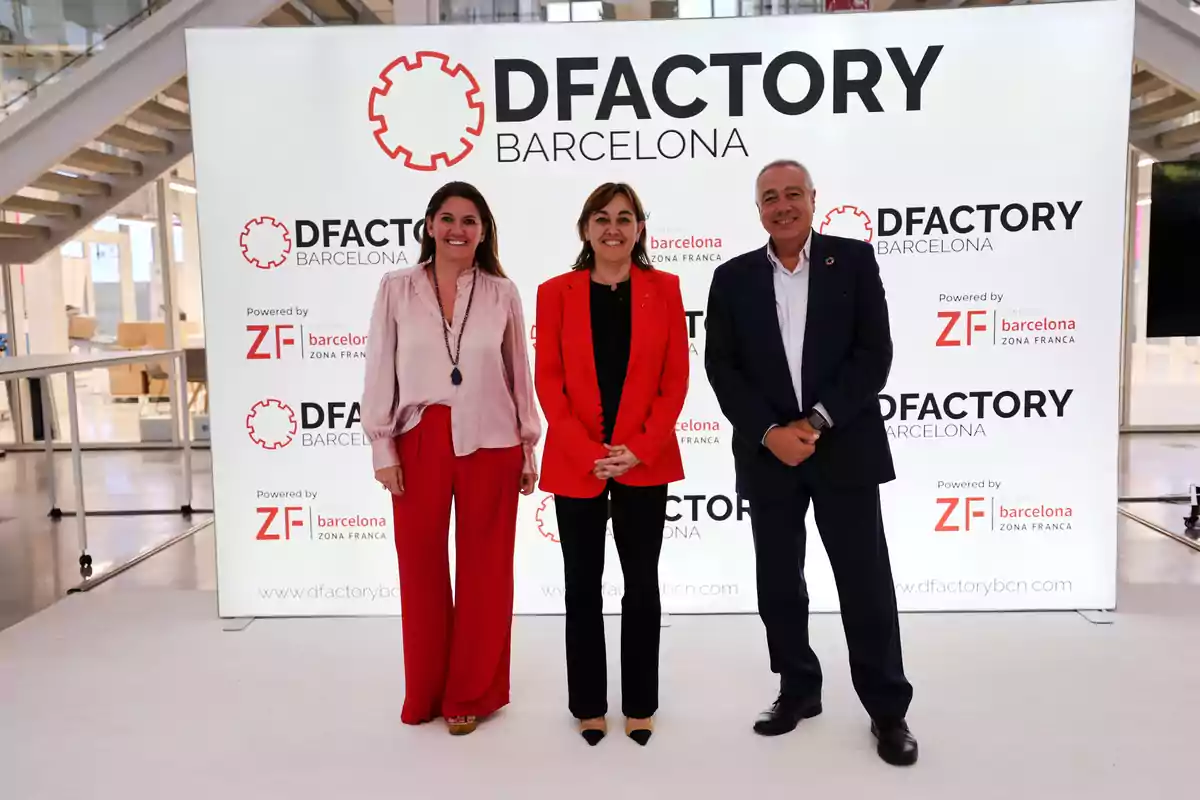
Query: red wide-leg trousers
[[456, 645]]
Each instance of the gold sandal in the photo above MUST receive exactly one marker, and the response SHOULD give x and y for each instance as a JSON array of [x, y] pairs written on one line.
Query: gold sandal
[[593, 730], [461, 726], [639, 730]]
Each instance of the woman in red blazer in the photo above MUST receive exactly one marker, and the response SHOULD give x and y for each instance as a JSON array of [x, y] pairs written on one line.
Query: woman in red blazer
[[611, 373]]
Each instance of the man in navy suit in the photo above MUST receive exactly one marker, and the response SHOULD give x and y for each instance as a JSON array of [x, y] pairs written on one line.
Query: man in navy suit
[[798, 349]]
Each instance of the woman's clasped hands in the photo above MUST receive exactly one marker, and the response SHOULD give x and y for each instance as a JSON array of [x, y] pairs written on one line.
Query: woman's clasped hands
[[620, 460]]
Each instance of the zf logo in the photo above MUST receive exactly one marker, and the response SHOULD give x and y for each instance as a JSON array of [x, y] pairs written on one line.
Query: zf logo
[[278, 522], [269, 340], [961, 513], [962, 328]]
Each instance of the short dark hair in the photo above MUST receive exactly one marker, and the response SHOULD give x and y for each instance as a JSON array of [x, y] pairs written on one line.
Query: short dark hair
[[487, 254], [601, 196]]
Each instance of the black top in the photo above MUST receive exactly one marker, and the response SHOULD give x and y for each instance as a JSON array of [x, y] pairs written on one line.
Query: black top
[[611, 334]]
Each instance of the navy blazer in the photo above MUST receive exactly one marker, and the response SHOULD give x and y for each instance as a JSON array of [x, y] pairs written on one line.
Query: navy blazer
[[847, 358]]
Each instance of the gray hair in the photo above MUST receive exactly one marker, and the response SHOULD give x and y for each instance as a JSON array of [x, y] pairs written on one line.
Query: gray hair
[[788, 162]]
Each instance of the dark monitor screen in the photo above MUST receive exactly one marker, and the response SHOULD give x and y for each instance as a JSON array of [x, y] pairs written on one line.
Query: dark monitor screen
[[1173, 291]]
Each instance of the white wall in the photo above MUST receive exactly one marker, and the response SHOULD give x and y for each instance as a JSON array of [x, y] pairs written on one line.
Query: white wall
[[45, 304], [46, 324], [77, 283], [187, 265]]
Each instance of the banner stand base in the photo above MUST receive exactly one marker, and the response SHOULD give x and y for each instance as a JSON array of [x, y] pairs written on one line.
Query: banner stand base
[[1097, 617], [237, 624]]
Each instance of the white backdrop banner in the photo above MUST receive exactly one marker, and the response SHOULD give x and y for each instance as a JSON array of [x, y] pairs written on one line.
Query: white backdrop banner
[[981, 152]]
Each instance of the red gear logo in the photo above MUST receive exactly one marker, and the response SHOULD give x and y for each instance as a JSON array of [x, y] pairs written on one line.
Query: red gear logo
[[850, 222], [428, 111], [271, 424], [547, 523], [265, 242]]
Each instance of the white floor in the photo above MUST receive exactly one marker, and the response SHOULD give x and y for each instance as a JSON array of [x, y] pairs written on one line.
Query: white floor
[[135, 691], [141, 694]]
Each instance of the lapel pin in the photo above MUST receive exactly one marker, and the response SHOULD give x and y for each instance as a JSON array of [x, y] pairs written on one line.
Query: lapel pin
[[829, 261]]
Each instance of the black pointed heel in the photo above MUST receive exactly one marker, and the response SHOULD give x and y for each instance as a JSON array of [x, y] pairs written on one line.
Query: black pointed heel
[[592, 736], [639, 730], [593, 730]]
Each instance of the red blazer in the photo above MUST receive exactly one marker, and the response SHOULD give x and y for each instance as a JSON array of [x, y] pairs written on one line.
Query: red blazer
[[656, 383]]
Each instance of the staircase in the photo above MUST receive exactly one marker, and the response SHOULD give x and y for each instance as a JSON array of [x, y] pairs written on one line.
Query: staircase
[[134, 93], [1165, 116], [1164, 112]]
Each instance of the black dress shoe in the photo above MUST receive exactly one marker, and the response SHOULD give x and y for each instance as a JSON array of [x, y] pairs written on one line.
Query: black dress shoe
[[641, 736], [593, 730], [639, 729], [592, 736], [785, 715], [897, 745]]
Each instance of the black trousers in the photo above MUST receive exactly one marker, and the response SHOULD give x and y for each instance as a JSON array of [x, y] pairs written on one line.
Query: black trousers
[[638, 516], [850, 522]]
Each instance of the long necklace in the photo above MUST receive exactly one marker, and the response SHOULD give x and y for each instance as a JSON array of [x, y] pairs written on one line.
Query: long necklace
[[455, 374]]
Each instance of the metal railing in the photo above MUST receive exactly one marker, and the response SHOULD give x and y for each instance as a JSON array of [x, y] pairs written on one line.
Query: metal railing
[[30, 92]]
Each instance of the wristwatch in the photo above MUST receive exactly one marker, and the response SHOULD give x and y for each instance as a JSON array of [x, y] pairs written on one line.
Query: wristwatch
[[817, 420]]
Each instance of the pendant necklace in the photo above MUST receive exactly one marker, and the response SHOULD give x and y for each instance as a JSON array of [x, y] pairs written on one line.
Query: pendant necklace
[[455, 375]]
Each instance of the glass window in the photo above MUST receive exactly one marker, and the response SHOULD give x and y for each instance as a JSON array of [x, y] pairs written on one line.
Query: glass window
[[141, 247], [587, 11], [579, 11], [106, 263], [725, 8], [1165, 380], [695, 9]]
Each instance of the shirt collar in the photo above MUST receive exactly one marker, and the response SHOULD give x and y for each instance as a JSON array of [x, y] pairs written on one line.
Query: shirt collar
[[804, 252], [465, 275]]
